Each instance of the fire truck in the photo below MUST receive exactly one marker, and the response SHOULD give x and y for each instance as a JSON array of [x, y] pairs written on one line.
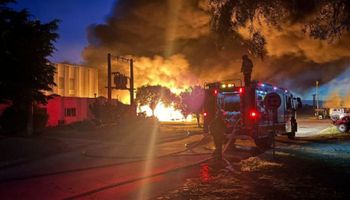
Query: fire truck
[[245, 112]]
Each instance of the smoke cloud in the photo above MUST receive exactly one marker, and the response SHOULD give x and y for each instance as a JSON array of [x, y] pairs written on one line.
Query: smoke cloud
[[173, 45], [335, 100], [339, 95]]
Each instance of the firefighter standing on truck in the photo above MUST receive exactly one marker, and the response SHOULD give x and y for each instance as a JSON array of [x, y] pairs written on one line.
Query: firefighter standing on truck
[[217, 129], [247, 68]]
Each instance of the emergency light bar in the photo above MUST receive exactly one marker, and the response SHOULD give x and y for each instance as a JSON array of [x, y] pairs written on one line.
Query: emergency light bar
[[224, 84], [230, 85]]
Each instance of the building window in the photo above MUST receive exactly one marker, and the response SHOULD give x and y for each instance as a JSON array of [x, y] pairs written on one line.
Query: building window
[[61, 83], [72, 84], [70, 112]]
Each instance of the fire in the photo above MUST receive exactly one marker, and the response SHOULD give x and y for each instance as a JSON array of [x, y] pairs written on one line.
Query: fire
[[336, 100], [172, 72], [164, 113]]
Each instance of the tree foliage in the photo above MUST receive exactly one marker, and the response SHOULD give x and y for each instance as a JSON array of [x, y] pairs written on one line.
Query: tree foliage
[[321, 19], [25, 45], [191, 101], [14, 120], [151, 95]]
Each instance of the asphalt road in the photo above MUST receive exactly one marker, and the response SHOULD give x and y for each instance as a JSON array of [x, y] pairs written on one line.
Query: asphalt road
[[311, 127], [130, 179], [103, 171], [94, 182]]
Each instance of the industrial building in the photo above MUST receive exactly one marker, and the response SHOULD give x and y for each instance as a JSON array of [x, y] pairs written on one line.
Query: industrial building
[[76, 88], [75, 81]]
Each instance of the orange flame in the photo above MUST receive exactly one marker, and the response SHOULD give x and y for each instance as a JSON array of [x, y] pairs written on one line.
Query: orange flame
[[164, 113], [173, 73], [335, 100]]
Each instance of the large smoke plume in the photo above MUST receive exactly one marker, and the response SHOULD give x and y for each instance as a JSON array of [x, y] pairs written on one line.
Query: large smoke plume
[[174, 46]]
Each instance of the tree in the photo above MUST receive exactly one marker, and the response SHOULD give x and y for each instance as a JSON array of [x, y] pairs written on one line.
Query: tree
[[25, 45], [105, 112], [192, 102], [151, 95], [322, 19]]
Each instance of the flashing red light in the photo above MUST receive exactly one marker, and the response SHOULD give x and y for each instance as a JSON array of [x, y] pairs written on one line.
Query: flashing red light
[[215, 92], [253, 114], [205, 114], [241, 90]]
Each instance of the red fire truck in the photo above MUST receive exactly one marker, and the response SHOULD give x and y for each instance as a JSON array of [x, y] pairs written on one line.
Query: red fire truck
[[245, 112]]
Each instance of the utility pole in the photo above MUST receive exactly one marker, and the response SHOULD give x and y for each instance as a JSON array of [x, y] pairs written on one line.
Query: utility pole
[[131, 79], [131, 89], [131, 82], [109, 74], [314, 101], [317, 96]]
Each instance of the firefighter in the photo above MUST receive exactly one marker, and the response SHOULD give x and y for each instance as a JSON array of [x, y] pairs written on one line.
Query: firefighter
[[247, 68], [217, 129]]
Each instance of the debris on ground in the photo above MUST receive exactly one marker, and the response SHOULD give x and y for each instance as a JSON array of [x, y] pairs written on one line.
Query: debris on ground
[[256, 164], [264, 177]]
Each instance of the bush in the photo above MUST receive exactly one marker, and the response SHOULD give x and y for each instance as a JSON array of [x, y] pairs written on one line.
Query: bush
[[106, 113], [14, 120]]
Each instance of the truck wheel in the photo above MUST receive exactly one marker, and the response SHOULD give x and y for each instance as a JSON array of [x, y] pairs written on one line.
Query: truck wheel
[[343, 128], [320, 117], [264, 143]]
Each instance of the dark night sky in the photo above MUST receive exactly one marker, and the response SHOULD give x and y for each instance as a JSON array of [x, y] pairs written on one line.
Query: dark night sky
[[75, 16]]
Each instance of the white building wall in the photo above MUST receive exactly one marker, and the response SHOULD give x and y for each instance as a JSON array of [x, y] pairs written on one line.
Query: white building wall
[[75, 81]]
